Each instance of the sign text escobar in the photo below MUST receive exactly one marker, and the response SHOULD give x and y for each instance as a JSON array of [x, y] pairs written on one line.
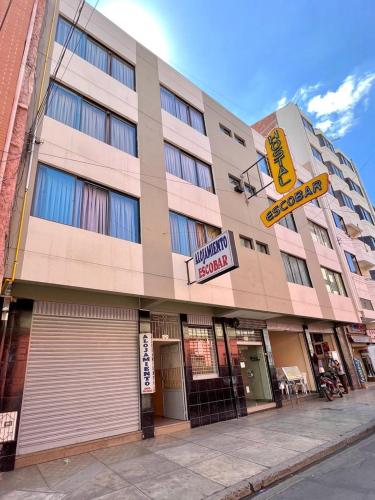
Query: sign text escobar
[[217, 257]]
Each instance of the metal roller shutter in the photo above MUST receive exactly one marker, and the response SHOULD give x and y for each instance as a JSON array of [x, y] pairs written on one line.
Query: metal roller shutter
[[82, 376]]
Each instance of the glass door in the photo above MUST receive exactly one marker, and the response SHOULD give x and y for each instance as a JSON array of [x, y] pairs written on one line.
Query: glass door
[[254, 375]]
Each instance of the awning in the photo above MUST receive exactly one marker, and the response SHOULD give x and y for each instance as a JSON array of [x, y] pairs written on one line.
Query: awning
[[361, 339]]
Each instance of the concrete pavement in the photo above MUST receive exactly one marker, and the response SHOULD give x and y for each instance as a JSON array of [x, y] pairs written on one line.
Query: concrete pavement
[[349, 475], [224, 460]]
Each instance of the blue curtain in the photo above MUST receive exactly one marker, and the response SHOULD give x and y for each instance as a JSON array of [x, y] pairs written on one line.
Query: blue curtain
[[77, 208], [64, 106], [179, 233], [93, 121], [123, 136], [124, 221], [172, 160], [189, 172], [197, 121], [54, 195], [77, 42], [96, 55], [168, 101], [124, 73], [204, 176]]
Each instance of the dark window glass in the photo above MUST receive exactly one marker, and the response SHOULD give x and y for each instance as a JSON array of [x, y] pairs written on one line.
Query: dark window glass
[[352, 263], [296, 270], [317, 154]]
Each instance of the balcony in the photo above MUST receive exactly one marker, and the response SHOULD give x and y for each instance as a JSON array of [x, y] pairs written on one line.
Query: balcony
[[353, 229], [366, 260]]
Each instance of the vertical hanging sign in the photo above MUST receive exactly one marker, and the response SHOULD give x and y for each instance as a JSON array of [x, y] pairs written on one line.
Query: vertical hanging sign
[[146, 363]]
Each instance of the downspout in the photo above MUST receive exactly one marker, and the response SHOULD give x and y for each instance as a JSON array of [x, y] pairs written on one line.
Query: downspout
[[9, 281]]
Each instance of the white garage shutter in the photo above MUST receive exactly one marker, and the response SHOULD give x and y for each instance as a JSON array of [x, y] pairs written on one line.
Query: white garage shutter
[[82, 376]]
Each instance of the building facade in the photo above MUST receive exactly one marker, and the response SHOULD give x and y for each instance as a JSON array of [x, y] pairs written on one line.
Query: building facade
[[134, 169]]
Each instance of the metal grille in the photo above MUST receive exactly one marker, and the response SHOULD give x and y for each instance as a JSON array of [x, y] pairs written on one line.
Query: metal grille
[[165, 326], [251, 335], [202, 352]]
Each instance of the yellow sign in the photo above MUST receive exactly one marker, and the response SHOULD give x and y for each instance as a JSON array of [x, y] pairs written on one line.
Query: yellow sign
[[308, 191], [280, 160]]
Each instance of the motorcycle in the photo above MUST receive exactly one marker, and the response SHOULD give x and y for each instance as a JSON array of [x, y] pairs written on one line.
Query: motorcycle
[[330, 386]]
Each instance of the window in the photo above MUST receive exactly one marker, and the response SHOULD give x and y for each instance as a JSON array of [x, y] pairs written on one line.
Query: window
[[320, 234], [246, 242], [188, 235], [325, 142], [369, 240], [296, 270], [344, 200], [202, 352], [317, 154], [364, 214], [263, 163], [186, 167], [262, 247], [372, 274], [182, 110], [75, 111], [367, 304], [94, 53], [288, 222], [339, 221], [332, 169], [236, 182], [240, 140], [333, 282], [354, 186], [225, 130], [64, 198], [345, 161], [352, 263], [307, 125]]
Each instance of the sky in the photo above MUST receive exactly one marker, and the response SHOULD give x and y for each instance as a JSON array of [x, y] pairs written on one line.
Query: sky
[[254, 56]]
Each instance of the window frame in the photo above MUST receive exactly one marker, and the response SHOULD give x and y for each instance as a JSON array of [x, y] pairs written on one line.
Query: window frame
[[108, 191], [308, 126], [352, 262], [189, 107], [110, 53], [260, 245], [247, 240], [211, 341], [318, 230], [286, 258], [342, 225], [316, 154], [195, 159], [337, 280], [364, 214], [108, 115], [239, 140], [365, 302], [225, 130], [263, 160]]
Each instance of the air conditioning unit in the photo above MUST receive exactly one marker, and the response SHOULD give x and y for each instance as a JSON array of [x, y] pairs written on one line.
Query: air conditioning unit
[[239, 188]]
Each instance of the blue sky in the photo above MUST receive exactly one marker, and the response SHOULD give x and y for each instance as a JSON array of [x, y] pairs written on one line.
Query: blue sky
[[253, 56]]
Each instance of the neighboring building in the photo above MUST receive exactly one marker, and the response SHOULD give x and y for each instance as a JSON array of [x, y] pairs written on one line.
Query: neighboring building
[[21, 22], [135, 168], [342, 229]]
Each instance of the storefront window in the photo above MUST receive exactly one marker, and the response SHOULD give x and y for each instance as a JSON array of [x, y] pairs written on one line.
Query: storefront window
[[203, 353]]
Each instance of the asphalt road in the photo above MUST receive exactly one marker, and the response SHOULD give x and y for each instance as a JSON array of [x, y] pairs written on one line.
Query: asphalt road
[[348, 475]]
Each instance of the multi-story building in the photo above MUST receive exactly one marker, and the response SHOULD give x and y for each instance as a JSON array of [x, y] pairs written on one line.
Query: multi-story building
[[344, 224], [134, 169]]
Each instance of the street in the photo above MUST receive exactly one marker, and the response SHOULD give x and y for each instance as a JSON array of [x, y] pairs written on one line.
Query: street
[[348, 475]]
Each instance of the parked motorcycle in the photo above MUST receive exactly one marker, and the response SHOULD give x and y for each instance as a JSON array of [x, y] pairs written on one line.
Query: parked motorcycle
[[330, 385]]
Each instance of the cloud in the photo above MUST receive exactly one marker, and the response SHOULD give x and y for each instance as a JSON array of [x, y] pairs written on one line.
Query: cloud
[[281, 102], [336, 109], [304, 92]]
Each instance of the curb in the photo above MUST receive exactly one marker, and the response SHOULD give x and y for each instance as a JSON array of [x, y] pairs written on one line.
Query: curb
[[272, 475]]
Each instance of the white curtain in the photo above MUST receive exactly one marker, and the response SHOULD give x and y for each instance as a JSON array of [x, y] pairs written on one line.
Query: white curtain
[[197, 121], [182, 111], [77, 41], [179, 233], [94, 209], [168, 101], [204, 176]]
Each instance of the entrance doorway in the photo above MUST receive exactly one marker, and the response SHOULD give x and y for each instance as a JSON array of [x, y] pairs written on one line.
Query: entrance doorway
[[254, 374]]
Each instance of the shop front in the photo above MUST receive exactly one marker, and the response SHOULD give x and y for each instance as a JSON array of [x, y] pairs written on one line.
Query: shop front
[[363, 349], [291, 358]]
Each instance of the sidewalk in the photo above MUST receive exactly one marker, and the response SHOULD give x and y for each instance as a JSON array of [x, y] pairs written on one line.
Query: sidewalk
[[225, 460]]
